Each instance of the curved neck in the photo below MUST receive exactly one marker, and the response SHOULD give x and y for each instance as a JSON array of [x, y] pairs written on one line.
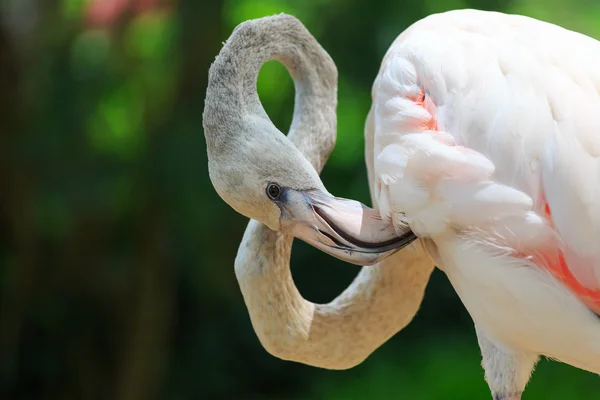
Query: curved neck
[[383, 298], [381, 301], [231, 95]]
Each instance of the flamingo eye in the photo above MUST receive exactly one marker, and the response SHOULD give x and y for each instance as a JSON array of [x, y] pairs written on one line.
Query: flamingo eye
[[273, 191]]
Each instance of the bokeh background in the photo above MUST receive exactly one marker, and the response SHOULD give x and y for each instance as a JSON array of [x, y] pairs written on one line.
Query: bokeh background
[[116, 254]]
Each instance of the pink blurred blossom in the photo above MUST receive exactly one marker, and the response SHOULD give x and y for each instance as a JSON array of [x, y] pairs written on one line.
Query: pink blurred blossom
[[105, 13]]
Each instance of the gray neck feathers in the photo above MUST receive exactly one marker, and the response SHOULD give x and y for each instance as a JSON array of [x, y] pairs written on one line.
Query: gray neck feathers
[[231, 96]]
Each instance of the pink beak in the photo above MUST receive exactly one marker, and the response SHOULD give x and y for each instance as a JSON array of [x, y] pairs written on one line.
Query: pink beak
[[345, 229]]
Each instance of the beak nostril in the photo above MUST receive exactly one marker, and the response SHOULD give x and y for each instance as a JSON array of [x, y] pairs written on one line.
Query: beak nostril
[[405, 238], [333, 239]]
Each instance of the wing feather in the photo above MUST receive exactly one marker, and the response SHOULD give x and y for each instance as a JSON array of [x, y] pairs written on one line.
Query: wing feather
[[525, 94]]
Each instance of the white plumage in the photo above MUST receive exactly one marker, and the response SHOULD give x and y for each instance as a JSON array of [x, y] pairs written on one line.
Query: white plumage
[[484, 138]]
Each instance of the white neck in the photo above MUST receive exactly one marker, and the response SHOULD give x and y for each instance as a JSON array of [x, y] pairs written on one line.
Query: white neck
[[382, 300]]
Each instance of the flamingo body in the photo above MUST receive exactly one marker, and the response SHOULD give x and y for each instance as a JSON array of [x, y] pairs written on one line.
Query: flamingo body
[[484, 139]]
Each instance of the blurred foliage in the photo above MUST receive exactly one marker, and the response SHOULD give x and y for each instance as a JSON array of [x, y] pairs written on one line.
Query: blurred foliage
[[116, 254]]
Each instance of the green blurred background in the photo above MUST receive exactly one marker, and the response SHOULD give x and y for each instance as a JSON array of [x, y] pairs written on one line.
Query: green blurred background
[[116, 254]]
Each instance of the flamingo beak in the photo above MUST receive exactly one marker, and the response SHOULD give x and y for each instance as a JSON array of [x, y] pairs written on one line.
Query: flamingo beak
[[345, 229]]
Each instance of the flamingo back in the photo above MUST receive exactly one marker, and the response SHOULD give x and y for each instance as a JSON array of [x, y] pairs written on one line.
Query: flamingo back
[[490, 124]]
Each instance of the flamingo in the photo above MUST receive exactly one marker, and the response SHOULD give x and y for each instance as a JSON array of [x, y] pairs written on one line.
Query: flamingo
[[482, 155]]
